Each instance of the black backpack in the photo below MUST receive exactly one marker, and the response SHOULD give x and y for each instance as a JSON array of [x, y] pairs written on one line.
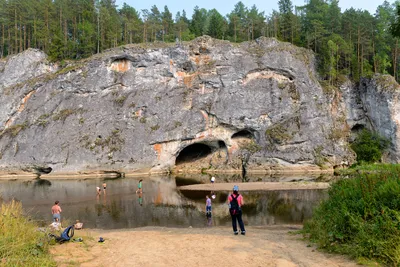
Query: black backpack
[[234, 209]]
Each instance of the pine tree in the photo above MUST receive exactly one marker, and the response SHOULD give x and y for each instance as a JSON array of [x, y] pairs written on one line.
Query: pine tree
[[198, 22]]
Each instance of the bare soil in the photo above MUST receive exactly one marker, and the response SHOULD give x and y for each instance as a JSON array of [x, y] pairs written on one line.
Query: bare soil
[[274, 246]]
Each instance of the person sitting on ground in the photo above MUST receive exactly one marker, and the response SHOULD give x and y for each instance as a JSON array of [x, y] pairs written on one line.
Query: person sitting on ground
[[56, 225], [78, 225]]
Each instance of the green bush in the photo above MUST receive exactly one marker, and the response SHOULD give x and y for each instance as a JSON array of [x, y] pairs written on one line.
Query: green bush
[[360, 218], [369, 146], [21, 244]]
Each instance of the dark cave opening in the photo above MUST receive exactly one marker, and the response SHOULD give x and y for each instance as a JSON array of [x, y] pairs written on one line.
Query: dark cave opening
[[243, 134], [357, 127], [221, 144], [193, 152]]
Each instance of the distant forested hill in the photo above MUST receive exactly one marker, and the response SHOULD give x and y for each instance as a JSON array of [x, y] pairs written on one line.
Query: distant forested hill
[[354, 43]]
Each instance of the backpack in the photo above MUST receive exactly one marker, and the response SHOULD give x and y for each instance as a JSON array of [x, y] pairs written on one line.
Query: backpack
[[234, 205], [65, 236]]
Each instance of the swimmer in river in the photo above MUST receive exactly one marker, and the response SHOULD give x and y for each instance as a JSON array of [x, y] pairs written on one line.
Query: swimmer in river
[[104, 188]]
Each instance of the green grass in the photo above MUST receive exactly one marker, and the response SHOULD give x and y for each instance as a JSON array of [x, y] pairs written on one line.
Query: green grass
[[368, 168], [21, 244], [361, 217]]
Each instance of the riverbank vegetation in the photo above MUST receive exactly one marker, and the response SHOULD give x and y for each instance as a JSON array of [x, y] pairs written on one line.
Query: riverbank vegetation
[[369, 146], [361, 217], [21, 244], [368, 168]]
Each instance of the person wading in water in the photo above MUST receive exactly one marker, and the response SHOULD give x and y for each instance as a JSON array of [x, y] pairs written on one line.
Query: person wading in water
[[56, 211]]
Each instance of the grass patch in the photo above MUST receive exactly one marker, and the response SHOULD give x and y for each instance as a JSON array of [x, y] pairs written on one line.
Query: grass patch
[[369, 168], [63, 114], [120, 100], [361, 217], [20, 242], [113, 142], [155, 128], [177, 124], [14, 130], [42, 120]]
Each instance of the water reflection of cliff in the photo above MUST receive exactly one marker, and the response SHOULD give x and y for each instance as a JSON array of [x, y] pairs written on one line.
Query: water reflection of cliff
[[269, 207], [159, 205]]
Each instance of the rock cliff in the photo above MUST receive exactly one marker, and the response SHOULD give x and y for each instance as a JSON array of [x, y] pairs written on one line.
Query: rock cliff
[[207, 105], [374, 104]]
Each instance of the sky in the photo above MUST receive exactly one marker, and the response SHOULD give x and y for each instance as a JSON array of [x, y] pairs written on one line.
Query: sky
[[226, 6]]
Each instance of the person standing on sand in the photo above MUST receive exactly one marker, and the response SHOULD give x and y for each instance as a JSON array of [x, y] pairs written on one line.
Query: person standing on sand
[[139, 190], [56, 211], [235, 209]]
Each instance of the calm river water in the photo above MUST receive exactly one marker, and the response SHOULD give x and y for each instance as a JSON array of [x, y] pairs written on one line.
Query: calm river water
[[160, 204]]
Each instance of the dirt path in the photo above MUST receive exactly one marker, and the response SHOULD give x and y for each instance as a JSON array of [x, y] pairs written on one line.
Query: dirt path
[[256, 186], [215, 246]]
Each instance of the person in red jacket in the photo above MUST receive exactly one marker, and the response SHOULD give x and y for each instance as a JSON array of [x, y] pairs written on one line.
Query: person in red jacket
[[235, 209]]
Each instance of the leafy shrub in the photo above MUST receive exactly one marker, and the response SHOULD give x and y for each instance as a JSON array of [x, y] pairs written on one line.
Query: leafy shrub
[[369, 146], [360, 218]]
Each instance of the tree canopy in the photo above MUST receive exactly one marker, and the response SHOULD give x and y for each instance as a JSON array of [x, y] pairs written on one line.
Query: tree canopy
[[353, 43]]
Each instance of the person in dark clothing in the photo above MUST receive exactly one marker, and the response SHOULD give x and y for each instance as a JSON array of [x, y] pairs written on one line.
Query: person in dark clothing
[[235, 209]]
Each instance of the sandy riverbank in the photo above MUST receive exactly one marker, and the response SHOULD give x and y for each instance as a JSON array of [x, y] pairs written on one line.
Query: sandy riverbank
[[256, 186], [214, 246], [18, 174]]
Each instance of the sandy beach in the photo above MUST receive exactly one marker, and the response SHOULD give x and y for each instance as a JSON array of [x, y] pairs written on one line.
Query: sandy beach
[[276, 246]]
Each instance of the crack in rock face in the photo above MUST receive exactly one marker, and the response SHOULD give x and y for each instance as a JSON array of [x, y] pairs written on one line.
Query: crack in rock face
[[207, 105]]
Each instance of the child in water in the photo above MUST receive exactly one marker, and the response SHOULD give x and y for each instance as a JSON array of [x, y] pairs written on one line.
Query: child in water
[[139, 190], [104, 188], [208, 206]]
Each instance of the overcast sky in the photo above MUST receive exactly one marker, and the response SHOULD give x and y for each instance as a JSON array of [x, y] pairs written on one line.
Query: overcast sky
[[226, 6]]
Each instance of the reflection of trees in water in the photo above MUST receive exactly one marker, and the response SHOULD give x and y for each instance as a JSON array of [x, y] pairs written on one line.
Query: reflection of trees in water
[[114, 209], [41, 182], [278, 205], [284, 206]]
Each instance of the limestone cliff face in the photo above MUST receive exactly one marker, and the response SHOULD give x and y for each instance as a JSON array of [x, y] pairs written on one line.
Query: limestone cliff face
[[375, 104], [207, 104]]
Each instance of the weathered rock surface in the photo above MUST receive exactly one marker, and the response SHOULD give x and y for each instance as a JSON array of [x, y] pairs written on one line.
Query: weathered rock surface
[[217, 105], [374, 104]]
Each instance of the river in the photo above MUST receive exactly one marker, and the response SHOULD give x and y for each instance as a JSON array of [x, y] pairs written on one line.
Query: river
[[160, 204]]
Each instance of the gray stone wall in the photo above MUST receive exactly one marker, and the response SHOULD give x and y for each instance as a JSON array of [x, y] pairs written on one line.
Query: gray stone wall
[[256, 105]]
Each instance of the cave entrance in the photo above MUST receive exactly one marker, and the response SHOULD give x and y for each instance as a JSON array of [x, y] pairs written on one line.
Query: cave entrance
[[243, 134], [357, 128], [193, 152]]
